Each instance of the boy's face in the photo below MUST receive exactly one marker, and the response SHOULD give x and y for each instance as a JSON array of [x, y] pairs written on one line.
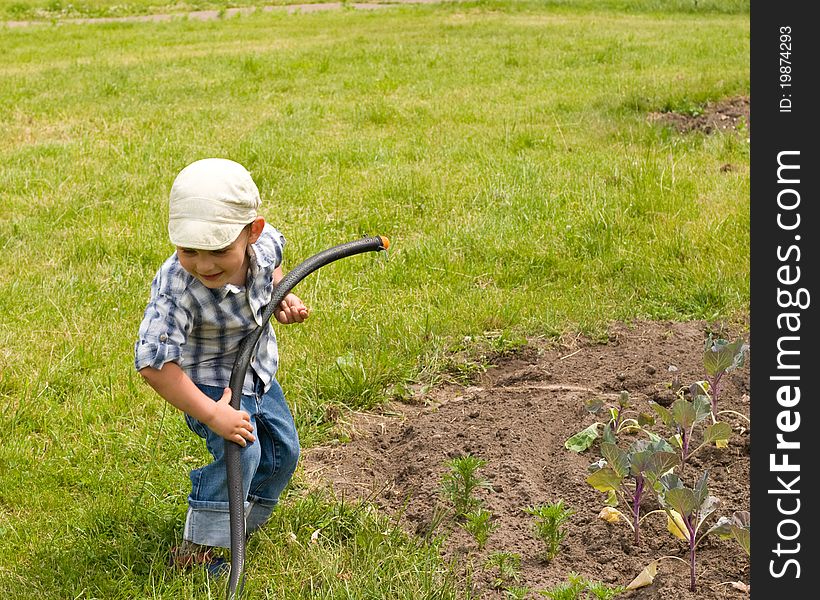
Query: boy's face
[[216, 268]]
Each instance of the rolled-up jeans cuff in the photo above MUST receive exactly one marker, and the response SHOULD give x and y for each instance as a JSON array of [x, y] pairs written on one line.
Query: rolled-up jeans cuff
[[258, 513], [210, 525]]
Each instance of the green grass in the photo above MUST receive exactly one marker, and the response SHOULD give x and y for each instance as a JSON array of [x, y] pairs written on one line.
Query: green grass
[[502, 147], [61, 9]]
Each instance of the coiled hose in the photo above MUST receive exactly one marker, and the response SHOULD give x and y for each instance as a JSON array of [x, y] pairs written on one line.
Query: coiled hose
[[236, 500]]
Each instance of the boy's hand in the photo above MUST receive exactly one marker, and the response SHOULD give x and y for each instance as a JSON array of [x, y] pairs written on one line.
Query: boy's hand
[[291, 310], [233, 425]]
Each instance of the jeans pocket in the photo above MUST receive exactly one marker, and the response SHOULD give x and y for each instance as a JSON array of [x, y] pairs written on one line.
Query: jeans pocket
[[195, 426]]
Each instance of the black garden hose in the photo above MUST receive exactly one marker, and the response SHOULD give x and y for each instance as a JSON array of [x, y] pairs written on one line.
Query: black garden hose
[[236, 500]]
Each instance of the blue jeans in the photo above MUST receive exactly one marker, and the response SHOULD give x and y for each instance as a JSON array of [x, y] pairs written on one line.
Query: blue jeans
[[267, 466]]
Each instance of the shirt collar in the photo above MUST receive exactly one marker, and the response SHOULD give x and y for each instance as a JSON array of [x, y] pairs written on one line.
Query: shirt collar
[[257, 261]]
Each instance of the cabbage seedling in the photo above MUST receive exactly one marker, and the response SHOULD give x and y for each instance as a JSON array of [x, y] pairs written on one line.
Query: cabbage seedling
[[719, 358], [687, 509], [617, 423], [625, 476], [737, 527], [683, 416]]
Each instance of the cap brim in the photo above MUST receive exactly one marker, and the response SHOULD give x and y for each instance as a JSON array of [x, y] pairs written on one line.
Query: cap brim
[[202, 235]]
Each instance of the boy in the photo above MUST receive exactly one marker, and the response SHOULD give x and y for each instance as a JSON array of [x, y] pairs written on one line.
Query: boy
[[204, 300]]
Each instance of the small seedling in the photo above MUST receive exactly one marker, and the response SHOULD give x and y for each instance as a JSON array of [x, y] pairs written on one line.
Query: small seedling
[[617, 423], [549, 521], [440, 513], [571, 590], [601, 591], [462, 481], [479, 524], [508, 565], [683, 416], [625, 476], [720, 357], [737, 527], [516, 592], [687, 509], [580, 588]]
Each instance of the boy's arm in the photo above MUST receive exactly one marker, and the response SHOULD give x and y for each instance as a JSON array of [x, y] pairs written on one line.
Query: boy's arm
[[291, 309], [176, 387]]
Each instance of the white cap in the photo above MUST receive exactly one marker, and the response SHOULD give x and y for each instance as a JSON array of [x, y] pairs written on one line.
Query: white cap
[[211, 202]]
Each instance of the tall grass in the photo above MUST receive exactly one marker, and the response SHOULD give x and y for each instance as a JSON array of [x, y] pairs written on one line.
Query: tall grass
[[502, 147]]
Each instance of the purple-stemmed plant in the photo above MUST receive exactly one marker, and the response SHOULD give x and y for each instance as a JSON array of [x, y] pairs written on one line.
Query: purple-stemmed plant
[[737, 527], [625, 476], [683, 416], [719, 358], [617, 423], [687, 509]]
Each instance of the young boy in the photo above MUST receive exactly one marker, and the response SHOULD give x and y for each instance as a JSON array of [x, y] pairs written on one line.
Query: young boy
[[204, 300]]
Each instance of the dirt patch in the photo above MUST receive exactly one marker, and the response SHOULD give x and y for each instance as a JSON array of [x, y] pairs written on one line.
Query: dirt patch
[[729, 114], [213, 15], [517, 416]]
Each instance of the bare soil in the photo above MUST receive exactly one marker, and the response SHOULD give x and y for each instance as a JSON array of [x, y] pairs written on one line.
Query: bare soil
[[728, 114], [517, 416]]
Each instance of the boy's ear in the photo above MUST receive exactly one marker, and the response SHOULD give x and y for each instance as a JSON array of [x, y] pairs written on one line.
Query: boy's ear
[[257, 225]]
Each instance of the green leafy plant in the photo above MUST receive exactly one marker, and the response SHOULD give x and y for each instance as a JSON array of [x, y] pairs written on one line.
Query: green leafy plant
[[683, 416], [737, 527], [626, 475], [478, 523], [720, 357], [570, 590], [617, 423], [508, 565], [687, 509], [578, 587], [516, 592], [462, 481], [549, 521], [440, 514], [602, 591]]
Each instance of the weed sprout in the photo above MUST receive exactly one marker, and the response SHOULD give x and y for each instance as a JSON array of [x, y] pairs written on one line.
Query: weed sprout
[[508, 565], [581, 588], [549, 521], [479, 524], [462, 481]]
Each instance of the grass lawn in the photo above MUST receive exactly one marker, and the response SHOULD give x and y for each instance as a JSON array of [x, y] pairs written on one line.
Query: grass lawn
[[503, 147], [59, 9]]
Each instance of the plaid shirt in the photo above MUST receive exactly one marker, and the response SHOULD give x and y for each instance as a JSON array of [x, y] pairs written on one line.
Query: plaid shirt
[[201, 328]]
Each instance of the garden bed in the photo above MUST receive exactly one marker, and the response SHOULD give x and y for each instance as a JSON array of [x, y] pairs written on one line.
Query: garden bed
[[516, 416]]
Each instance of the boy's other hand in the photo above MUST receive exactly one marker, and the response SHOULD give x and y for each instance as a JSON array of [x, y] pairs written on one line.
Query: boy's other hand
[[233, 425], [292, 310]]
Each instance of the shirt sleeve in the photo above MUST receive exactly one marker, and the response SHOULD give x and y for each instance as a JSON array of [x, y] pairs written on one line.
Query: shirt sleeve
[[269, 247], [164, 328]]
